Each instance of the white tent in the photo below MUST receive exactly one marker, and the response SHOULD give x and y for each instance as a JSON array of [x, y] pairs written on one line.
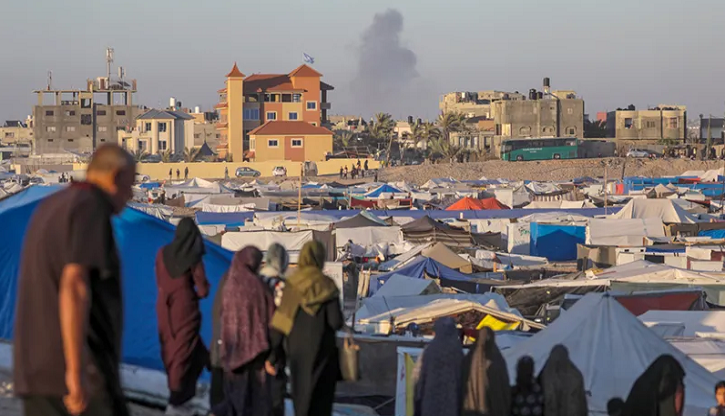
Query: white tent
[[623, 232], [292, 241], [560, 204], [399, 285], [709, 353], [664, 209], [611, 348], [695, 322]]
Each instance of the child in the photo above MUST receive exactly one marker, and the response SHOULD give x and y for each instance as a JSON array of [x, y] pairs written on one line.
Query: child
[[719, 410]]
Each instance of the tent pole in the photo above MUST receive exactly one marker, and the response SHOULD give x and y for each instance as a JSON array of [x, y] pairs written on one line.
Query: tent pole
[[605, 190], [299, 199]]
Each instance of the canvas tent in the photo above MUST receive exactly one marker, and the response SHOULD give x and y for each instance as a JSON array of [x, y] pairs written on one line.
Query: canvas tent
[[363, 219], [611, 348], [399, 285], [444, 255], [467, 203], [292, 241], [384, 191], [664, 209], [426, 229], [695, 322], [426, 268], [623, 232]]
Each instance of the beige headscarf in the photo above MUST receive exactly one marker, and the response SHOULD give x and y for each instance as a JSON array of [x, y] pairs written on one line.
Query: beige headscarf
[[486, 388]]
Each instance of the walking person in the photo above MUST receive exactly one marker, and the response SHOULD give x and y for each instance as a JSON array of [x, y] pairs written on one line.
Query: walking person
[[276, 261], [181, 282], [341, 172], [486, 387], [246, 312], [659, 391], [226, 172], [308, 318], [186, 173], [170, 174], [178, 174], [438, 385], [527, 397], [345, 172], [69, 320], [563, 385], [366, 167]]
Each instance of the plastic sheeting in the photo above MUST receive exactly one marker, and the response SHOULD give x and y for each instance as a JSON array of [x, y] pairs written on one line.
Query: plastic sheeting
[[139, 237], [556, 242], [425, 267], [664, 209], [369, 236], [611, 348], [623, 232], [232, 219], [206, 207], [399, 285], [694, 321], [292, 241]]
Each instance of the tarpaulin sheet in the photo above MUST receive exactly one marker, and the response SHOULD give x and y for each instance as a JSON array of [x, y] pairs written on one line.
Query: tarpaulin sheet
[[639, 304], [716, 234], [623, 232], [368, 236], [234, 219], [425, 267], [139, 237], [235, 241], [556, 242]]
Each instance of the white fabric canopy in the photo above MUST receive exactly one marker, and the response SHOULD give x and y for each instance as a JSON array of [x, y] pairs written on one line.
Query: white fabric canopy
[[206, 207], [664, 209], [623, 232], [612, 349], [399, 285], [369, 236], [292, 241], [694, 321]]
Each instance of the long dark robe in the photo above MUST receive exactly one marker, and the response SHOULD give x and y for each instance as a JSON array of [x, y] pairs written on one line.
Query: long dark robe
[[486, 387], [563, 384], [177, 308], [216, 391], [654, 392]]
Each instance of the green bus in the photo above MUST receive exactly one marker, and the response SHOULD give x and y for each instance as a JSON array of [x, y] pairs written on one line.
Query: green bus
[[540, 149]]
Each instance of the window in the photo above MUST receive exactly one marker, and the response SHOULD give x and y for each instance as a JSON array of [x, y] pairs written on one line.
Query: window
[[251, 113], [147, 127], [672, 123], [286, 98], [49, 113], [272, 143], [292, 115], [50, 129], [85, 103], [162, 127], [70, 140], [650, 124], [120, 128], [101, 112], [102, 128], [296, 98], [271, 98], [86, 119], [314, 124], [50, 140], [217, 135], [197, 135], [252, 144], [271, 115], [104, 140], [296, 142], [571, 131], [70, 113], [569, 111], [627, 123], [70, 128], [9, 135], [162, 145], [121, 112], [312, 105]]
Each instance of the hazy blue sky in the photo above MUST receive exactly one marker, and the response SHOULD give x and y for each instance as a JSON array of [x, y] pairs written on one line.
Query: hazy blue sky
[[612, 53]]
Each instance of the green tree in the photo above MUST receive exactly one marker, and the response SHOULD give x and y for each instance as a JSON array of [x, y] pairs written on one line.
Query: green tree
[[451, 122], [166, 156], [596, 129], [382, 130], [190, 155], [139, 155], [343, 138], [445, 148]]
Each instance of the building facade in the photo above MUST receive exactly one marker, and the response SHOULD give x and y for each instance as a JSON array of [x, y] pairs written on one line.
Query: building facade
[[158, 131], [715, 127], [248, 102], [16, 131], [298, 141], [474, 104], [664, 122], [554, 115]]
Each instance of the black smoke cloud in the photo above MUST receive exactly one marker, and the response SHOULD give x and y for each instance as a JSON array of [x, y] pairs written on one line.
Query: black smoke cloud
[[386, 71]]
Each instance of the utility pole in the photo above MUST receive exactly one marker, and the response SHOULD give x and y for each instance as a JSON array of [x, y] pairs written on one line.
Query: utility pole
[[709, 137], [605, 190], [299, 197]]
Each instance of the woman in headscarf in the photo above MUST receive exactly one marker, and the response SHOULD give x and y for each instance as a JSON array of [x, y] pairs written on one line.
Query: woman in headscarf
[[486, 388], [563, 384], [659, 391], [309, 317], [246, 311], [216, 390], [438, 388], [181, 282], [276, 261], [527, 397]]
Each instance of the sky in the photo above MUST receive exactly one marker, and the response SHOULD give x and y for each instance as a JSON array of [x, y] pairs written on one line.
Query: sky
[[381, 56]]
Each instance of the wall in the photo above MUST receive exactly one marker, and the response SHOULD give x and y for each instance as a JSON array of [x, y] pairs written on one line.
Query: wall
[[160, 171], [10, 135], [235, 117], [262, 151], [316, 147], [538, 118]]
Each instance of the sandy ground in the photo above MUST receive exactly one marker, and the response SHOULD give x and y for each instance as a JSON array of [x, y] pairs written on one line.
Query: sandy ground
[[546, 170], [11, 406]]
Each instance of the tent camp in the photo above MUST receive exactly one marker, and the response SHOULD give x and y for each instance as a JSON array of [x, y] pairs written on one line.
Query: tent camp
[[363, 219], [427, 268], [384, 191], [664, 209], [444, 255], [467, 203], [139, 237], [623, 232], [426, 229], [611, 348], [292, 241]]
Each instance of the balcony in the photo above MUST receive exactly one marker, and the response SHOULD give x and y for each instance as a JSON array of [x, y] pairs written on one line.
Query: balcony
[[325, 106], [221, 105], [221, 125]]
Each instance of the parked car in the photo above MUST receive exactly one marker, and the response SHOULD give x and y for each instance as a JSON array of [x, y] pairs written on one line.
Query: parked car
[[638, 153], [279, 171], [245, 172]]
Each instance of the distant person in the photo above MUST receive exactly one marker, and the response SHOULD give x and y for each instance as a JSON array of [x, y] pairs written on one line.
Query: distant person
[[246, 311], [170, 174], [719, 410], [486, 387], [660, 390], [366, 167], [615, 406], [527, 397], [186, 173], [276, 261], [69, 319], [358, 164], [226, 172], [563, 385], [346, 172], [308, 319], [178, 174], [341, 172], [439, 369], [181, 282], [376, 175]]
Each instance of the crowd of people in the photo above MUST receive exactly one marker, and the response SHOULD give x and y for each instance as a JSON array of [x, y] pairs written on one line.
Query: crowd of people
[[355, 171]]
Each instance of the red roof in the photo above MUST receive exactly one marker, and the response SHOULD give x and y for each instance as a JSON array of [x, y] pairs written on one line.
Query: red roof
[[289, 128], [268, 82], [304, 71], [468, 203], [235, 72]]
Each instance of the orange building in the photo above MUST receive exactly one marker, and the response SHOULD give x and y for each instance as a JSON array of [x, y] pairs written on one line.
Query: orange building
[[248, 102], [289, 140]]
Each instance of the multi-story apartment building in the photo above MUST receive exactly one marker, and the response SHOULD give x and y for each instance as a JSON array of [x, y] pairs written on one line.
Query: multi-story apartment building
[[474, 104], [664, 122], [158, 131], [16, 131], [248, 102]]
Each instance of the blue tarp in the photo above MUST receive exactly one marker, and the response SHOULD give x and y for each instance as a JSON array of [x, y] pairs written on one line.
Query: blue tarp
[[658, 249], [150, 185], [382, 189], [717, 234], [232, 219], [556, 242], [139, 237], [423, 265]]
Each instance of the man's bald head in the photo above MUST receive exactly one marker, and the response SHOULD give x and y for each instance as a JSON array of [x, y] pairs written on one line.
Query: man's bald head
[[111, 158], [113, 170]]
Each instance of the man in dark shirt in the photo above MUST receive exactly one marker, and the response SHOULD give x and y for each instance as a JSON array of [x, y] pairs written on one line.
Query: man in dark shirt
[[70, 314]]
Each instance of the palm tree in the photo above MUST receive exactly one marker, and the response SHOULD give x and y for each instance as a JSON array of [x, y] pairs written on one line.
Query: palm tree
[[139, 155], [382, 129], [190, 155], [444, 148], [165, 156], [451, 122], [343, 138]]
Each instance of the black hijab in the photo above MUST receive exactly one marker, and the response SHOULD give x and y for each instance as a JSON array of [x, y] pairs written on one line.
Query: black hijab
[[186, 250], [653, 393]]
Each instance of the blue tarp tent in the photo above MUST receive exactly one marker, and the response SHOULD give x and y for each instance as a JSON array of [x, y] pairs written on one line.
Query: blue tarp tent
[[232, 219], [139, 237], [716, 234], [556, 242], [387, 189], [423, 266]]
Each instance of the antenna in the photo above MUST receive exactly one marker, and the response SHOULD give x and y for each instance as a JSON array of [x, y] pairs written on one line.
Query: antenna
[[50, 80], [121, 72], [109, 61]]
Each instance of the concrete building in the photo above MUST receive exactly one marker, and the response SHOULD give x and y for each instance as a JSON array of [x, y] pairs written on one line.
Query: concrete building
[[16, 131], [248, 102], [475, 104], [297, 141], [664, 122], [715, 125], [349, 123], [556, 114], [157, 131]]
